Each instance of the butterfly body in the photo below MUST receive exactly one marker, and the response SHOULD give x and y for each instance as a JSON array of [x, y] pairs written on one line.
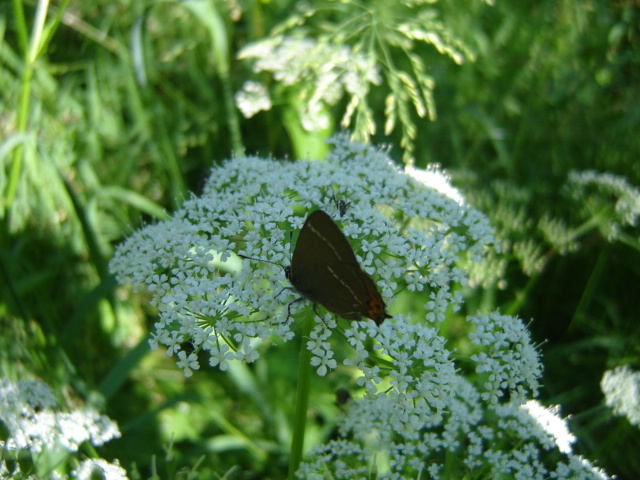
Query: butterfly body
[[324, 269]]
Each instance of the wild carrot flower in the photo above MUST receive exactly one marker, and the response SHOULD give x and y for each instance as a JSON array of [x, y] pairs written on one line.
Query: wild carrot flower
[[406, 235], [424, 411], [35, 421], [37, 426]]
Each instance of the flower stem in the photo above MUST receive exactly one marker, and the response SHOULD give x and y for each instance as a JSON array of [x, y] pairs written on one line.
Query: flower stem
[[302, 400]]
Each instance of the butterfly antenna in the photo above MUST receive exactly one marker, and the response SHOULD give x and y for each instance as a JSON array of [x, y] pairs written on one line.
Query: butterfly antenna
[[260, 260]]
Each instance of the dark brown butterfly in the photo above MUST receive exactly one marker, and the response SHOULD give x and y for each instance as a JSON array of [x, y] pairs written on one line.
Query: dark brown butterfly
[[325, 270]]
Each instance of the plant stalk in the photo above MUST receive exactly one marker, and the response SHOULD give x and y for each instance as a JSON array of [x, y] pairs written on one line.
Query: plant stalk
[[302, 401]]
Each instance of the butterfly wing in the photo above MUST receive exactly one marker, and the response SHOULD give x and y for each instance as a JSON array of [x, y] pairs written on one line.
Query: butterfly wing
[[320, 242], [345, 290], [324, 269]]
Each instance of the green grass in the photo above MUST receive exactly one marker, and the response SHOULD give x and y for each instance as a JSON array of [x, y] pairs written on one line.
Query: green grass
[[112, 112]]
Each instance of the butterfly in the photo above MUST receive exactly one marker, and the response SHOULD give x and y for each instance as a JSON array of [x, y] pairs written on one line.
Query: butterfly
[[324, 269]]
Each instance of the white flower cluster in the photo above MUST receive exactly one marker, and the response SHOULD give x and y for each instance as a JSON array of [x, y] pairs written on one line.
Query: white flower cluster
[[594, 190], [421, 418], [253, 98], [13, 470], [97, 468], [321, 73], [405, 234], [549, 420], [621, 388], [508, 358], [88, 469], [35, 423]]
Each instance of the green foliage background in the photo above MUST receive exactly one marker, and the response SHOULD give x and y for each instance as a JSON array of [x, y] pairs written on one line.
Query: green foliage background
[[116, 111]]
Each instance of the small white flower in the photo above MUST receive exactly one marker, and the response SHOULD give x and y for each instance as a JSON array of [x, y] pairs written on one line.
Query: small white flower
[[187, 363], [324, 362]]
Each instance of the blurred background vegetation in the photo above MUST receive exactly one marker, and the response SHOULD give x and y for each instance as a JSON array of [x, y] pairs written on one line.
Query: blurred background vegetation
[[113, 111]]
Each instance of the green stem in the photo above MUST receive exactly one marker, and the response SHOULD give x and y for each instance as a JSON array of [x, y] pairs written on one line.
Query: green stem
[[522, 296], [302, 400], [588, 293], [30, 55]]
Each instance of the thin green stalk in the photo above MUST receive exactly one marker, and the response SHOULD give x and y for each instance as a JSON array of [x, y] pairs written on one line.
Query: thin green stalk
[[590, 288], [41, 34], [30, 56], [20, 25], [522, 296], [219, 30], [232, 116], [302, 401]]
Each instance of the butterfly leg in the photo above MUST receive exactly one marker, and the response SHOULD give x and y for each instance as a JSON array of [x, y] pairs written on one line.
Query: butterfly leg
[[280, 292], [289, 306], [315, 310]]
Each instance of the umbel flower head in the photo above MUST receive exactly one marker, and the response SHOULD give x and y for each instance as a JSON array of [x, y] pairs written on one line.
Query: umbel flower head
[[406, 235], [35, 421], [419, 414]]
